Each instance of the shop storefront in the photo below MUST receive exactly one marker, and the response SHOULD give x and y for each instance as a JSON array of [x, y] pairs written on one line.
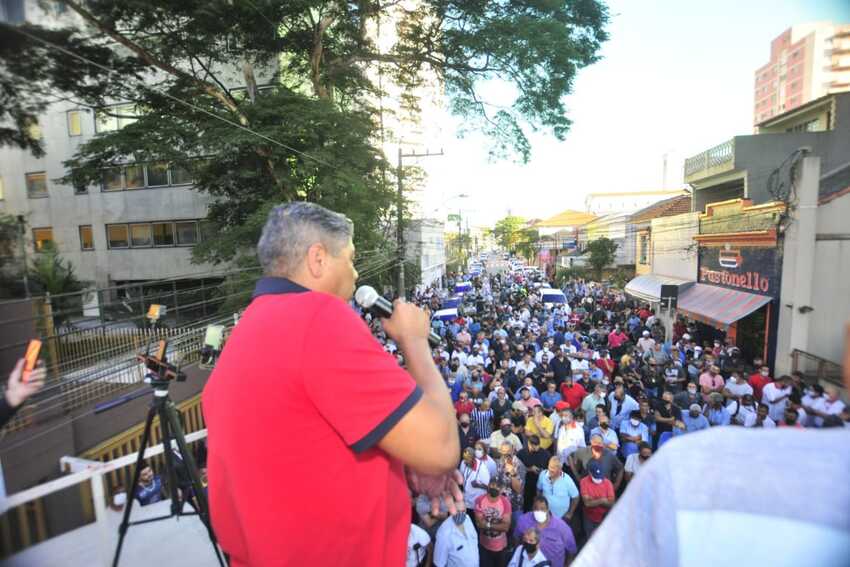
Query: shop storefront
[[738, 285]]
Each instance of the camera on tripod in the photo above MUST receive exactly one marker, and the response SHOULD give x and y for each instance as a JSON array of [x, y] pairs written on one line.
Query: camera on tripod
[[159, 369]]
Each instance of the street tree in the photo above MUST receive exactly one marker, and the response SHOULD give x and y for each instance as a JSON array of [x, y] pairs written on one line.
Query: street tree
[[602, 253], [268, 101]]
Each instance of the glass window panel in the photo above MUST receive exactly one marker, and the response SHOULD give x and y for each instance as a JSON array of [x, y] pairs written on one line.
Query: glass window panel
[[163, 234], [104, 122], [128, 113], [86, 238], [116, 235], [187, 233], [36, 184], [75, 123], [134, 176], [157, 174], [112, 179], [42, 237], [180, 175], [140, 235]]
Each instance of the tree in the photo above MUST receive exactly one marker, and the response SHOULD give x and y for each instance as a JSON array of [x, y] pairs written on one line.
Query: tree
[[526, 243], [507, 232], [194, 71], [49, 273], [602, 252]]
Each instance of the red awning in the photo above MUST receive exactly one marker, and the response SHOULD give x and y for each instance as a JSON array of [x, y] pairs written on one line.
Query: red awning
[[718, 306]]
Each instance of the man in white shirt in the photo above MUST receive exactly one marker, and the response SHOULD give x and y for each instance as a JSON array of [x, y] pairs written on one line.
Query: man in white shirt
[[417, 546], [636, 460], [547, 345], [456, 543], [528, 554], [526, 364], [645, 343], [826, 405], [475, 359], [568, 435], [737, 387], [775, 396], [580, 368], [743, 411]]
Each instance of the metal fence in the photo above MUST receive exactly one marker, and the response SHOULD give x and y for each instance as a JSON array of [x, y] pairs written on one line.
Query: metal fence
[[817, 369]]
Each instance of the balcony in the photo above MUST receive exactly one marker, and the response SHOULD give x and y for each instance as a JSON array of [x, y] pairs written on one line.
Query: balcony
[[714, 161]]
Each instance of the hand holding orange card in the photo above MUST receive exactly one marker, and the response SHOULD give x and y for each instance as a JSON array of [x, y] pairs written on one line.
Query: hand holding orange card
[[33, 350]]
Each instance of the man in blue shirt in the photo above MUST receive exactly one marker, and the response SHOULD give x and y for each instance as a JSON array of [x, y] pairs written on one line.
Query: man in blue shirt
[[694, 420], [149, 489], [633, 431], [550, 397], [559, 489], [456, 542], [621, 404], [716, 412]]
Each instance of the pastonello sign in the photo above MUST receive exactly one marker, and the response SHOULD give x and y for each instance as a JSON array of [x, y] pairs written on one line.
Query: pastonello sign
[[751, 269]]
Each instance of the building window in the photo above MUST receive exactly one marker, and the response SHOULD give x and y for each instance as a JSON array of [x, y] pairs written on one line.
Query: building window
[[115, 117], [117, 236], [140, 236], [644, 249], [80, 187], [36, 184], [112, 179], [157, 174], [134, 176], [86, 237], [180, 175], [42, 237], [187, 233], [163, 234], [75, 123]]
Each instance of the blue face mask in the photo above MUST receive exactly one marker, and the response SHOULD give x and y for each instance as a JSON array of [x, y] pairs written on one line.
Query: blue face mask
[[459, 518]]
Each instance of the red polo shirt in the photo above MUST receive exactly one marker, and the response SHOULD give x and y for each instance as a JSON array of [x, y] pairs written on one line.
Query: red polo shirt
[[299, 398], [573, 395]]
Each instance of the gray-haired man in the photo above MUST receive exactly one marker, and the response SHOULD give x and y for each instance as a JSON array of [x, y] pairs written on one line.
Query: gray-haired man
[[352, 404]]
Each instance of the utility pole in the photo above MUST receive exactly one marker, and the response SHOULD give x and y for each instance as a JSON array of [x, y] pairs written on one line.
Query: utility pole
[[400, 214]]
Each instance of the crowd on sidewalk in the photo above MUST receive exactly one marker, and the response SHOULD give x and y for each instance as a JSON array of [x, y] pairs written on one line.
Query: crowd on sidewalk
[[560, 405]]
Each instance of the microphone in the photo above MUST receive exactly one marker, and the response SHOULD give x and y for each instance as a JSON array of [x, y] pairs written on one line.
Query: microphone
[[367, 298]]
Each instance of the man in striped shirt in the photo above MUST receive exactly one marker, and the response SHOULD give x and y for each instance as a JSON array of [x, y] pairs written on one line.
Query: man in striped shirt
[[482, 420]]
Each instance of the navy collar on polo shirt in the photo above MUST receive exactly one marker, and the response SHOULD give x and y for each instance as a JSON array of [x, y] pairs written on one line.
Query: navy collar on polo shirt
[[274, 285]]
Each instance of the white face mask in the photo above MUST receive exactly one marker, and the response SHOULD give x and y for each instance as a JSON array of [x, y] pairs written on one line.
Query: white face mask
[[596, 480], [634, 422], [119, 499], [479, 453], [540, 516], [764, 372]]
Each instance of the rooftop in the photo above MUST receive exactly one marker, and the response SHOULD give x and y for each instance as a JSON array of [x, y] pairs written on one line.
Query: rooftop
[[634, 193], [566, 218], [666, 208]]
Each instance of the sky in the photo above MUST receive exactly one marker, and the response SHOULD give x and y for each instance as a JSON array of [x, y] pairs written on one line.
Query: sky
[[676, 77]]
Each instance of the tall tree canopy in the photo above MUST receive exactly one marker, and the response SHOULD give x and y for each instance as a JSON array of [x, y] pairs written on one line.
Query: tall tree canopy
[[196, 69]]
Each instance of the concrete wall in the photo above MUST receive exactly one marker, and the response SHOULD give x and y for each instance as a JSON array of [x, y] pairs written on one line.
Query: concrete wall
[[674, 252]]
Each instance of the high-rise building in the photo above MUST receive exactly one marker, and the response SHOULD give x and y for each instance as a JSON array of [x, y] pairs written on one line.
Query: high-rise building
[[807, 61]]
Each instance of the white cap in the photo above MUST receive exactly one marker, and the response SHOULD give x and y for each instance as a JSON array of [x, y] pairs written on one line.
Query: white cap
[[646, 333], [686, 336]]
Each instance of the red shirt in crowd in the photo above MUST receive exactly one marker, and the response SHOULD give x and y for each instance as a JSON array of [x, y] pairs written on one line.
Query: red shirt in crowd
[[604, 489], [573, 395], [296, 405], [464, 407], [758, 382]]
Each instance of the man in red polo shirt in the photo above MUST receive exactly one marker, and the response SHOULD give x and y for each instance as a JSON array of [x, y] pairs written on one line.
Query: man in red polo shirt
[[573, 393], [310, 422]]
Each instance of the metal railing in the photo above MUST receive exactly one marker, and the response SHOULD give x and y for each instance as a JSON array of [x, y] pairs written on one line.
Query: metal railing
[[815, 368], [720, 154]]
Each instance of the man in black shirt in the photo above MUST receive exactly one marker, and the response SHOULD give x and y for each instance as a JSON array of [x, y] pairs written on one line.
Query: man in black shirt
[[666, 414], [561, 367], [535, 459]]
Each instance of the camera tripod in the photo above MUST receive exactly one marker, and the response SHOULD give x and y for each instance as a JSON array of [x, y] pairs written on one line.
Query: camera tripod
[[169, 421]]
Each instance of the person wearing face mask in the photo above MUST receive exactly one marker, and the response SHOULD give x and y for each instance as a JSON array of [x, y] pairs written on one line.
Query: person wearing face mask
[[569, 435], [476, 476], [535, 459], [598, 495], [622, 405], [501, 404], [493, 518], [632, 432], [417, 546], [711, 381], [483, 455], [692, 421], [456, 543], [598, 453], [743, 412], [557, 540], [529, 554], [636, 460], [504, 435], [466, 432], [759, 379], [737, 387], [690, 396], [607, 433]]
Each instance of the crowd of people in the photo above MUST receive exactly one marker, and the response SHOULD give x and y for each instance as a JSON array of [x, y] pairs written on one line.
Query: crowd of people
[[560, 405]]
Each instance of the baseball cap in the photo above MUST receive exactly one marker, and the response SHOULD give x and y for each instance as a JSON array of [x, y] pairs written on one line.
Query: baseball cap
[[595, 470], [561, 405], [519, 406], [695, 406]]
